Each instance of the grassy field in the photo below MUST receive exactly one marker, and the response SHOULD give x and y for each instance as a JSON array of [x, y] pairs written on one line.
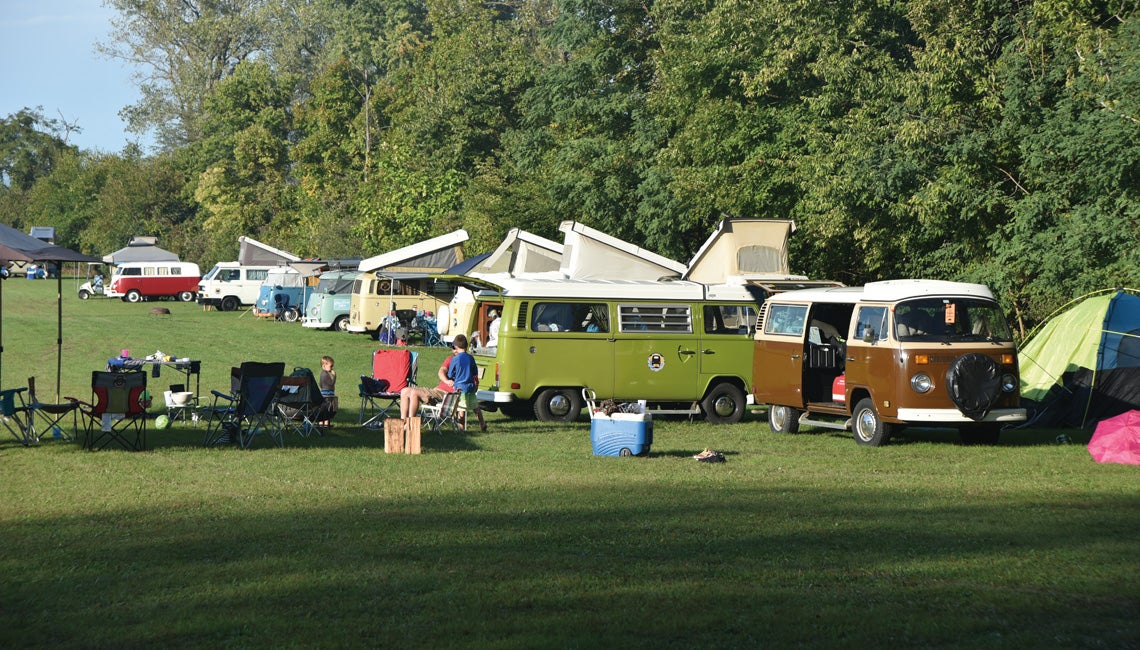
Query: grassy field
[[521, 538]]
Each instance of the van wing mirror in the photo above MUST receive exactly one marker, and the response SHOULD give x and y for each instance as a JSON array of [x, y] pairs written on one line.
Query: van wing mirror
[[868, 335]]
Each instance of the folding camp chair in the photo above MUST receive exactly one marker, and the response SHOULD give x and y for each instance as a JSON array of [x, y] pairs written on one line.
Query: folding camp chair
[[117, 411], [51, 415], [16, 416], [392, 371], [300, 403], [251, 410], [443, 414]]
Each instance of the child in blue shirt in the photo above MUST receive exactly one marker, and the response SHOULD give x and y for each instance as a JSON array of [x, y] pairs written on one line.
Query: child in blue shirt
[[464, 376]]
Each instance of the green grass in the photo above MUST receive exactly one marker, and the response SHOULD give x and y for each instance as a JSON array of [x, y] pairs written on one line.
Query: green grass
[[520, 537]]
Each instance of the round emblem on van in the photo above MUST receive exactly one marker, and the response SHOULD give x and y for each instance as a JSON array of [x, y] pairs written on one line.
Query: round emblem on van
[[656, 362]]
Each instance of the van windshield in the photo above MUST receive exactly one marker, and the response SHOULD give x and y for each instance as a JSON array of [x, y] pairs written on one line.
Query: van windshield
[[950, 319]]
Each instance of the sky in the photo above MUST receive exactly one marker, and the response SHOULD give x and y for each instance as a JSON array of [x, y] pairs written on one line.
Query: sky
[[48, 50]]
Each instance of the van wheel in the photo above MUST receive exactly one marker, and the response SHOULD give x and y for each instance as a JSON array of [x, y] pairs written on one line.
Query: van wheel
[[340, 324], [783, 419], [133, 296], [980, 434], [186, 296], [558, 404], [869, 428], [724, 404], [229, 303]]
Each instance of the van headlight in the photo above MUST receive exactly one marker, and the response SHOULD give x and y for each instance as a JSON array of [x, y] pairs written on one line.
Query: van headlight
[[1008, 382], [921, 383]]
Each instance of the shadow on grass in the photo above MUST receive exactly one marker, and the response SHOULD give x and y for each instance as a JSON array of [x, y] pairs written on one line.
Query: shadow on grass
[[649, 566]]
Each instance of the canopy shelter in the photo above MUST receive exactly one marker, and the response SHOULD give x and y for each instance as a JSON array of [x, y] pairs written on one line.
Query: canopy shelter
[[141, 249], [17, 243], [1082, 365]]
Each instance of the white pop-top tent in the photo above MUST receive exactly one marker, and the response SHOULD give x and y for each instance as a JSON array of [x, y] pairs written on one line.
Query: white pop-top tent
[[521, 254], [429, 256], [743, 249], [255, 253], [589, 254]]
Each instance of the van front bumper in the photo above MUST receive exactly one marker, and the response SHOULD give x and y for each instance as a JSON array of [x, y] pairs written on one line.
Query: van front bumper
[[954, 416], [495, 396]]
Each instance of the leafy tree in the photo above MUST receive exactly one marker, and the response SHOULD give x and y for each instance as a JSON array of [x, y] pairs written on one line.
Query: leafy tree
[[245, 188], [30, 146], [184, 48]]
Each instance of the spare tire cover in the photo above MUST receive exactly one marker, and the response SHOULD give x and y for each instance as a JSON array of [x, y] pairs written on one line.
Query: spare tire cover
[[973, 382]]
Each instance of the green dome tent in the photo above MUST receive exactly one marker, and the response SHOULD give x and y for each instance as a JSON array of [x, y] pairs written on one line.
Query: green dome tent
[[1083, 364]]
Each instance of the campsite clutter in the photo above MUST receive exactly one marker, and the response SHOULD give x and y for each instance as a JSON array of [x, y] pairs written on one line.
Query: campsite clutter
[[1081, 367], [1117, 439]]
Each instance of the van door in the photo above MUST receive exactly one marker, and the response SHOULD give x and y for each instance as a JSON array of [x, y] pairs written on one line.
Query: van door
[[777, 365], [657, 353], [726, 341], [570, 344]]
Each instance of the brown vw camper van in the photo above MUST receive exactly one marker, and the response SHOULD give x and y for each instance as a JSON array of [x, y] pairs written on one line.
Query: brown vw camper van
[[877, 358]]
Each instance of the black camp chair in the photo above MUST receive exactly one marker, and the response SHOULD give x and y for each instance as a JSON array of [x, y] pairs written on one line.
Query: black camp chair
[[300, 403], [250, 410]]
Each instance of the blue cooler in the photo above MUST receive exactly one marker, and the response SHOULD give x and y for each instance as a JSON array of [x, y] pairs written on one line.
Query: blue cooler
[[621, 434]]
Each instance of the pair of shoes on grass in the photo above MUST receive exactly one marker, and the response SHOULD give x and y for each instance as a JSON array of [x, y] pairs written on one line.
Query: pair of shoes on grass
[[710, 456]]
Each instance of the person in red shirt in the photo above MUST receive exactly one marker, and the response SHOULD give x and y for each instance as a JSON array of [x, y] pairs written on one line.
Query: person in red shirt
[[412, 396]]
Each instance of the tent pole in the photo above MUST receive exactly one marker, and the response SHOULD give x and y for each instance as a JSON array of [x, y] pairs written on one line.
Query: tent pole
[[59, 329]]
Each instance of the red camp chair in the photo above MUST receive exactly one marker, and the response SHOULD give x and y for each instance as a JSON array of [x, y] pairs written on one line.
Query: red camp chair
[[117, 413], [392, 371]]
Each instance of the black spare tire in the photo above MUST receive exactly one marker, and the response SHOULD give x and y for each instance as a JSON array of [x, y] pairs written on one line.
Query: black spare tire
[[973, 382]]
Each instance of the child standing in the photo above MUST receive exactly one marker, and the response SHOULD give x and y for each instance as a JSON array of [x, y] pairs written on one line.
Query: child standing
[[327, 382], [463, 374]]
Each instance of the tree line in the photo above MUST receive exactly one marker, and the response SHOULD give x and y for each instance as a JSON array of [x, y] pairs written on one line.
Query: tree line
[[990, 141]]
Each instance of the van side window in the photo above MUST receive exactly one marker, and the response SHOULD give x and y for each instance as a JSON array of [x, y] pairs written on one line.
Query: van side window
[[148, 270], [729, 319], [569, 317], [871, 324], [655, 318], [131, 270], [165, 270], [257, 274], [786, 320]]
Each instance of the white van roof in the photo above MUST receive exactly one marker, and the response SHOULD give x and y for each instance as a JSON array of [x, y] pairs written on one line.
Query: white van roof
[[617, 289], [887, 291]]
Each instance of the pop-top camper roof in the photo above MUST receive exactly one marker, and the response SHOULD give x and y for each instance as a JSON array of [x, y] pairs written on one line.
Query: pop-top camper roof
[[429, 256], [591, 254], [521, 253], [743, 249], [255, 253]]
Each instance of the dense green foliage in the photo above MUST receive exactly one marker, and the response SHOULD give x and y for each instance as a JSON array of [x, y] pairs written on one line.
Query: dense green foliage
[[992, 141]]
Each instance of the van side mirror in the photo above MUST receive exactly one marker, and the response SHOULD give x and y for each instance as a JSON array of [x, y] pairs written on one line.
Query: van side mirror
[[868, 335]]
